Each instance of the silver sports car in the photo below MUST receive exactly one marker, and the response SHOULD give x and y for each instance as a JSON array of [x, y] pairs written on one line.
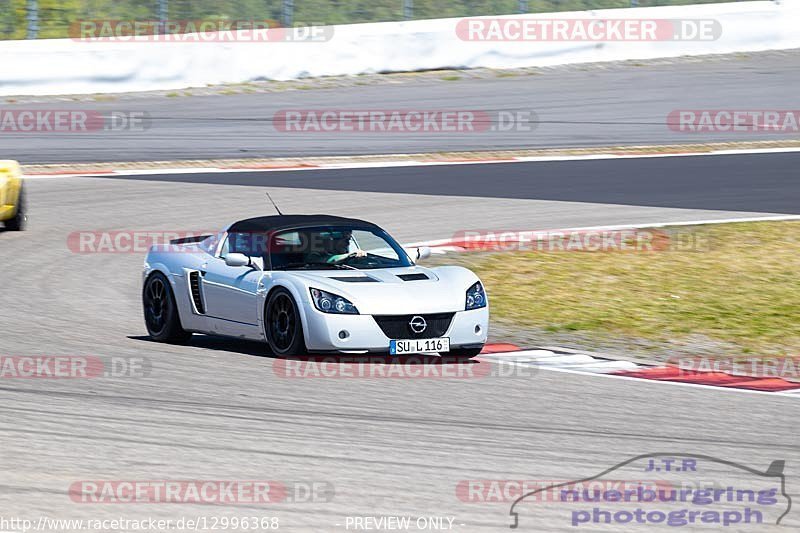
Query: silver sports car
[[312, 283]]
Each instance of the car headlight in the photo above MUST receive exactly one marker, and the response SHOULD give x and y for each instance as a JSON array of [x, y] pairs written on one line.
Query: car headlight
[[476, 297], [331, 303]]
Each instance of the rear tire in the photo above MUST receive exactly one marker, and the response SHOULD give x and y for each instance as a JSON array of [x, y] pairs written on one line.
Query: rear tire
[[160, 312], [18, 222], [282, 325]]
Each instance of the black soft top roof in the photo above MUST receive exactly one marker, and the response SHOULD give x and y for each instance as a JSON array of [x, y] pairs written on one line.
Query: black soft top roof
[[279, 222]]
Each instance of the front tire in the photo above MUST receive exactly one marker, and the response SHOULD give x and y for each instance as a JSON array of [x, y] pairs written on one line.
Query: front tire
[[18, 222], [282, 324], [160, 312]]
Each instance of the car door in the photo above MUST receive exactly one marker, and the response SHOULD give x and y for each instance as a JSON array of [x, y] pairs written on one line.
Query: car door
[[231, 293]]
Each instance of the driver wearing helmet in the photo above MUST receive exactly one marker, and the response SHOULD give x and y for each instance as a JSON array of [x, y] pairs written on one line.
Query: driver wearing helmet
[[340, 248]]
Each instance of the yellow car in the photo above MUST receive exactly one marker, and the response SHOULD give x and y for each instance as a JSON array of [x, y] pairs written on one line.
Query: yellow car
[[12, 201]]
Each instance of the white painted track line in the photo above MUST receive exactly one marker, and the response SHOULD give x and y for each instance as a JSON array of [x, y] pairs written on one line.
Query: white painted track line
[[550, 359]]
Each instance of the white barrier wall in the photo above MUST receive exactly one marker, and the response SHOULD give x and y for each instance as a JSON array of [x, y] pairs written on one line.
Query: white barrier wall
[[65, 66]]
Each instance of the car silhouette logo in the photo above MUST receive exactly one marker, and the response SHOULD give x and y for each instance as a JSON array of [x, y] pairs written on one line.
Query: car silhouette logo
[[417, 324]]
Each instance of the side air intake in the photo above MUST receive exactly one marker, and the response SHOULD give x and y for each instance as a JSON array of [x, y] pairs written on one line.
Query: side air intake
[[197, 297]]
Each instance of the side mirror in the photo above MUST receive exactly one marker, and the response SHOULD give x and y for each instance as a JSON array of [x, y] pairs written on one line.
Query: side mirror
[[423, 252], [237, 260]]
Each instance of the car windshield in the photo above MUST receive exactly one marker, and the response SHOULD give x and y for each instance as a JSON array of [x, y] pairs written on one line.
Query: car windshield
[[335, 247]]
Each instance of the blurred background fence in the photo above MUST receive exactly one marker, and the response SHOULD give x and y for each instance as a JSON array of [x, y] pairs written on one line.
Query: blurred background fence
[[32, 19]]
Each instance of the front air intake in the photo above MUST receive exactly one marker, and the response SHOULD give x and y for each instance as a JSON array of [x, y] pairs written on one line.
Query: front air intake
[[399, 326]]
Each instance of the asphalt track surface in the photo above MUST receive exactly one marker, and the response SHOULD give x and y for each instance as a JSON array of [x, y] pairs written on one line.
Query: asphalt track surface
[[216, 409], [593, 106], [739, 182]]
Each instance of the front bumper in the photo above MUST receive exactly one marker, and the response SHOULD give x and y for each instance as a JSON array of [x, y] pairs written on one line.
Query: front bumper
[[322, 331]]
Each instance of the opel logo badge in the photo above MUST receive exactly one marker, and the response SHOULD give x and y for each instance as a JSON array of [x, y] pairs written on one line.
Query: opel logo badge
[[417, 324]]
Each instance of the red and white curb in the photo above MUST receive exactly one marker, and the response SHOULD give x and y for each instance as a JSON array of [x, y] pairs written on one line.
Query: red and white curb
[[564, 360], [106, 171]]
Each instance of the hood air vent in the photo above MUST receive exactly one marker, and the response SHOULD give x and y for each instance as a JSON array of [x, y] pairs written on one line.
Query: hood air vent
[[412, 277]]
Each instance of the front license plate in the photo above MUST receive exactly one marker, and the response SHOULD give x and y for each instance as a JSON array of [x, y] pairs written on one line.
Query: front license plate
[[440, 344]]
